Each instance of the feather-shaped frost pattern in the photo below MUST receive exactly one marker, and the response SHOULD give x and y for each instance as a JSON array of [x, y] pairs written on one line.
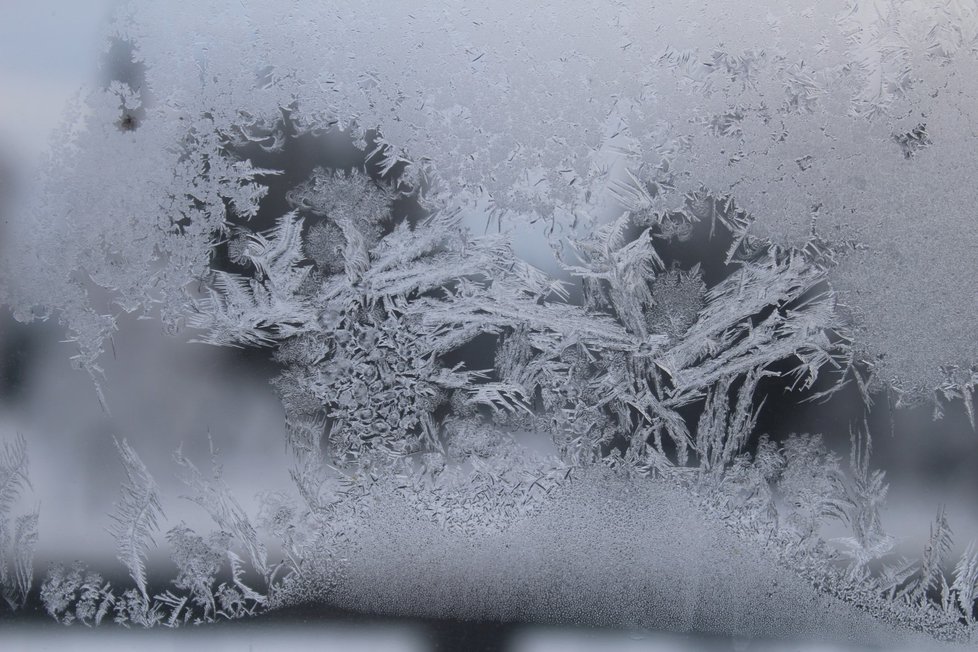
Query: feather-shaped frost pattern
[[13, 471], [965, 584], [214, 495], [277, 250], [136, 516], [244, 311]]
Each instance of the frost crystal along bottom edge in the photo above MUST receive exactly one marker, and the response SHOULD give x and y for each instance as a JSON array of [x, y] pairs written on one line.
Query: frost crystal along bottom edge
[[416, 327]]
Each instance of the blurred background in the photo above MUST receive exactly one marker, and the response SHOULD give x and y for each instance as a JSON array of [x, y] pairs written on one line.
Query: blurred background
[[385, 636], [163, 391]]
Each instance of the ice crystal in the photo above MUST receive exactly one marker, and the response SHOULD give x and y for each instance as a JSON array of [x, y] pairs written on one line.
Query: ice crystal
[[136, 516], [18, 535], [76, 595], [796, 145], [83, 596], [830, 91], [198, 562]]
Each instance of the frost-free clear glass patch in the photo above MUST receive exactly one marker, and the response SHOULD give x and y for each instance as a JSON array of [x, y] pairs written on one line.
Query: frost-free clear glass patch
[[437, 325]]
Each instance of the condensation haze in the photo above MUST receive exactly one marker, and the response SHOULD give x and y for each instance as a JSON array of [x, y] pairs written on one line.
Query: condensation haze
[[567, 319]]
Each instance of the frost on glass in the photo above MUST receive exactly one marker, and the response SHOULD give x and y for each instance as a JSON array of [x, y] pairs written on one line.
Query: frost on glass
[[821, 152], [18, 533]]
